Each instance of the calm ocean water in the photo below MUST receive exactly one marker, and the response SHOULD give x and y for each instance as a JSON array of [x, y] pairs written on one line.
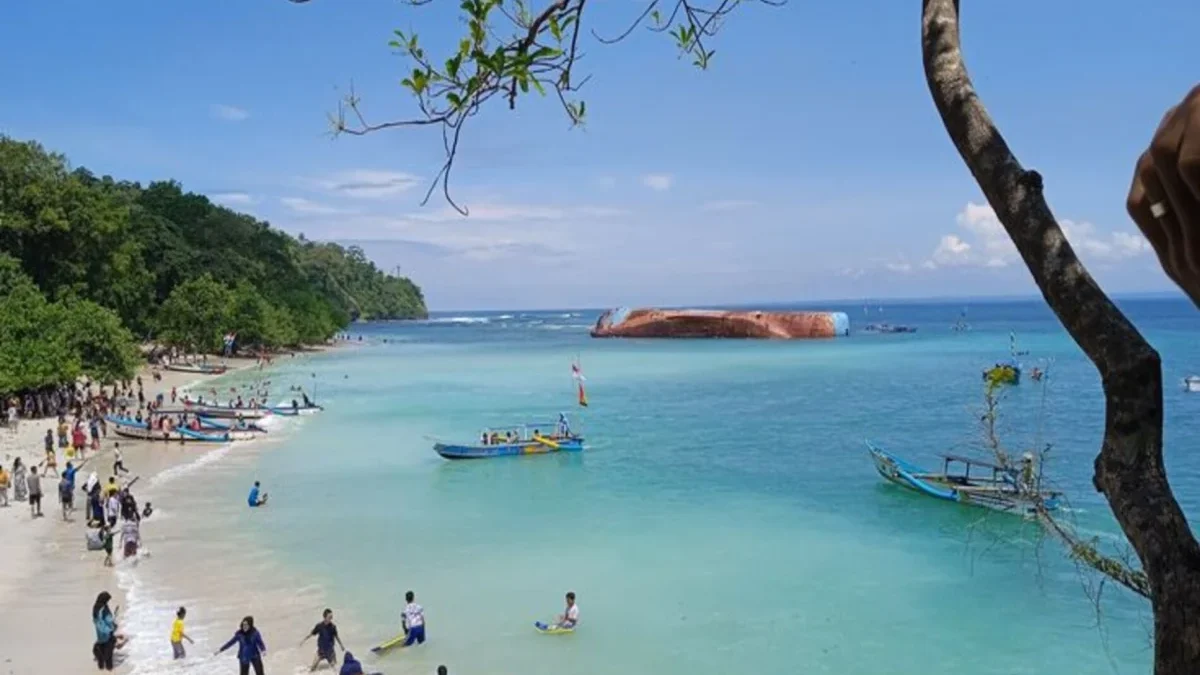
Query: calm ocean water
[[726, 517]]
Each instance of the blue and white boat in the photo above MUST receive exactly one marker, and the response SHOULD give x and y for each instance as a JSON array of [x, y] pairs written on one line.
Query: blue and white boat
[[521, 439], [993, 486]]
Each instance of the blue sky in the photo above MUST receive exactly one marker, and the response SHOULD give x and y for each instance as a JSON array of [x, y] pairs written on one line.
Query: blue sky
[[807, 163]]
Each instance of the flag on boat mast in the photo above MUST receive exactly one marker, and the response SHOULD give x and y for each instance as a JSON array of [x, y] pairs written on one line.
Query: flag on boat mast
[[577, 375]]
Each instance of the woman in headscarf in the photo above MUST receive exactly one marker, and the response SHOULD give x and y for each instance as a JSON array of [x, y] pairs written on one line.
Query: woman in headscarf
[[20, 489], [105, 621], [250, 647]]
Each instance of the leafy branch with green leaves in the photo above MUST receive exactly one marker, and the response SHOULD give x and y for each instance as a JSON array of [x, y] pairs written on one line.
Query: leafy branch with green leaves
[[509, 50]]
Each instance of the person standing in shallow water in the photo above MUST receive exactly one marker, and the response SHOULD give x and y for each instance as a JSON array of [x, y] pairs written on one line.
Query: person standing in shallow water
[[250, 647], [327, 634], [105, 622]]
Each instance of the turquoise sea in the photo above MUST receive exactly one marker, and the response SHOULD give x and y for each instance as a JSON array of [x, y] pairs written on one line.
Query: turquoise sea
[[725, 517]]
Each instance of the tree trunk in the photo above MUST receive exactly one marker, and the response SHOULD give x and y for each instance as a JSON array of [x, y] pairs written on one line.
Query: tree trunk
[[1129, 469]]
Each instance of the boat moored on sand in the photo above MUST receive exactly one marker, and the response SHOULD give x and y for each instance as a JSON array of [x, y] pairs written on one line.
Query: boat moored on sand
[[199, 368], [521, 439], [131, 428], [993, 486]]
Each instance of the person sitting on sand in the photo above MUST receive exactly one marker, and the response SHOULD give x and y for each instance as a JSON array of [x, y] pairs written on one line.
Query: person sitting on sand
[[255, 499], [570, 617]]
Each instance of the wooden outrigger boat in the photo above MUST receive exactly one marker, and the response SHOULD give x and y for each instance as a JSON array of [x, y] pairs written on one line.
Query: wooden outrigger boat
[[238, 430], [199, 368], [522, 439], [993, 486], [288, 410], [217, 411], [140, 430]]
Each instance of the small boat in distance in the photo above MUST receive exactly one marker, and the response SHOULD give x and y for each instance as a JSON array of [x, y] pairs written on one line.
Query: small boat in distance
[[994, 487], [521, 439], [201, 368], [889, 328], [1191, 383]]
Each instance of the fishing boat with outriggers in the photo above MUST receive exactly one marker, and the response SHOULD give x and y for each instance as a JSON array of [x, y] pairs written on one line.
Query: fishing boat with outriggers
[[993, 486], [520, 439], [132, 428], [198, 368]]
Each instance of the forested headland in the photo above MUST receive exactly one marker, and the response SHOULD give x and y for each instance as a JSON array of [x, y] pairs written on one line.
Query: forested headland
[[91, 266]]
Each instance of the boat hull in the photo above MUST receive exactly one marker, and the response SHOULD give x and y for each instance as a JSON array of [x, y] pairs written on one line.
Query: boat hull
[[141, 431], [531, 447], [289, 411], [895, 470], [218, 412], [1192, 384], [199, 370]]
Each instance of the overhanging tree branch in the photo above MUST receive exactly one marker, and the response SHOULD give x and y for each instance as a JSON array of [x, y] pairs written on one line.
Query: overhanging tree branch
[[1129, 469]]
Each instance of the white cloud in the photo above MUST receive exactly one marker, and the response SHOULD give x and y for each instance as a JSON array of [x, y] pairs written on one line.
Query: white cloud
[[727, 205], [852, 272], [369, 183], [229, 113], [899, 267], [992, 247], [658, 181], [232, 198], [952, 250], [309, 207]]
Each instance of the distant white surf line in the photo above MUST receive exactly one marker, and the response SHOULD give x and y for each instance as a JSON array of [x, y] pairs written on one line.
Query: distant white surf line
[[459, 319]]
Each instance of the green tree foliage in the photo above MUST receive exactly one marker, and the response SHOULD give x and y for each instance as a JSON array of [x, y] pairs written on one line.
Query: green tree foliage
[[147, 252], [197, 314], [107, 351], [44, 343]]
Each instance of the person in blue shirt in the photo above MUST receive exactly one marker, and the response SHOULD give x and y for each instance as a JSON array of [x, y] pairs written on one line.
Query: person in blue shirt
[[256, 499], [351, 666], [250, 647], [105, 621]]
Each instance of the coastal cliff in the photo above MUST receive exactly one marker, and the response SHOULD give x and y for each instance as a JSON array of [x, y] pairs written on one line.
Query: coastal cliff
[[695, 323]]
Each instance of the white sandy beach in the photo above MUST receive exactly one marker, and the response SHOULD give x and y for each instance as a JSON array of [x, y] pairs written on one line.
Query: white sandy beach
[[48, 581]]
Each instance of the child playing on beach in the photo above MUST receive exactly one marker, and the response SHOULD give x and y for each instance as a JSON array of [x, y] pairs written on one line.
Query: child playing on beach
[[177, 634], [107, 534], [413, 620], [51, 463]]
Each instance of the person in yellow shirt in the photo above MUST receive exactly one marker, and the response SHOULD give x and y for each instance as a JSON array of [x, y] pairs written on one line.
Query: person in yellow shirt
[[3, 487], [177, 634]]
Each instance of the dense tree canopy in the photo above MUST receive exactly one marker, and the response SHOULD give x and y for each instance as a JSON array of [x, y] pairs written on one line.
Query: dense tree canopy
[[109, 258]]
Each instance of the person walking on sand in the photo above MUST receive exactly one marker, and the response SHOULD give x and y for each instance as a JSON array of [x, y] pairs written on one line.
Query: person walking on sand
[[413, 620], [65, 495], [20, 487], [250, 647], [327, 634], [34, 483], [178, 636], [105, 622], [118, 460], [4, 481]]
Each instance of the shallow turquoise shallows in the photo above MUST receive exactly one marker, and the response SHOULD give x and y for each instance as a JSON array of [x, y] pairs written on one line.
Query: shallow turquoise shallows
[[725, 517]]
